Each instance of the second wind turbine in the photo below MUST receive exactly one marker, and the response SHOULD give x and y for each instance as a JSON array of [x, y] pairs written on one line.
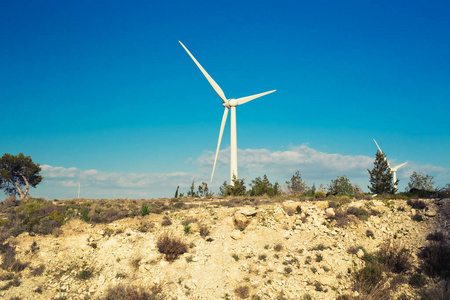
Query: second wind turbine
[[228, 104]]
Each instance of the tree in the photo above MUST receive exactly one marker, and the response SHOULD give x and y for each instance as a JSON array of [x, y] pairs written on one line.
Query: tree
[[237, 189], [17, 174], [191, 192], [203, 190], [381, 177], [420, 181], [176, 192], [263, 186], [296, 185], [341, 185]]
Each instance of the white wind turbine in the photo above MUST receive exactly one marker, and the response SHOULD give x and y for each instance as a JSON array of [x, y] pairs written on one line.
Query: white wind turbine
[[228, 104], [394, 169]]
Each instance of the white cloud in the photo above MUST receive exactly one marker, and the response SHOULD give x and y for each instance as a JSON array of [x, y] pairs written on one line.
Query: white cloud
[[302, 157], [315, 166], [95, 182]]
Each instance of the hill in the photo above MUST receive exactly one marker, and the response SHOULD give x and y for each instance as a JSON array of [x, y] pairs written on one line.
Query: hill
[[254, 248]]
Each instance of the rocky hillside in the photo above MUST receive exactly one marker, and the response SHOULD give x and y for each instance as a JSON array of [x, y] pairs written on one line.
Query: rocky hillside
[[335, 249]]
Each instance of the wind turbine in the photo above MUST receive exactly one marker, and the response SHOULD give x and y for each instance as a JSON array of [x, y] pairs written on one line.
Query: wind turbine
[[228, 104], [394, 169]]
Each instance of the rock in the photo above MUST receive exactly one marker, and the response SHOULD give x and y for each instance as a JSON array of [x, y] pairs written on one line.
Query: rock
[[322, 204], [194, 228], [280, 215], [236, 235], [360, 253], [430, 213], [244, 216], [329, 212], [290, 207]]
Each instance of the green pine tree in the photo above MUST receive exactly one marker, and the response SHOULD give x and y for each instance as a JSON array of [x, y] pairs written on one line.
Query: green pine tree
[[297, 186], [237, 189], [381, 181]]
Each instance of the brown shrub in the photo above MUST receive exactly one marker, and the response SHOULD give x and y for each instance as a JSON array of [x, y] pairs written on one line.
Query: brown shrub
[[171, 246], [204, 231], [436, 236], [278, 247], [166, 221], [395, 257], [11, 201], [436, 259], [438, 291], [123, 292], [242, 291], [38, 271], [343, 218], [10, 262], [14, 282]]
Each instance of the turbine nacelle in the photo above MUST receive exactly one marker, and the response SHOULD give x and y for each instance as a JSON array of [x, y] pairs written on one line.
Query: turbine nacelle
[[230, 103]]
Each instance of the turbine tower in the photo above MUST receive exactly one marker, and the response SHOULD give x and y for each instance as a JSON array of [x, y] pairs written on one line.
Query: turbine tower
[[228, 104], [394, 169]]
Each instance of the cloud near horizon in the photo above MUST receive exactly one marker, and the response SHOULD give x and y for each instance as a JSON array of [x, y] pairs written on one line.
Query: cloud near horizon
[[314, 165], [303, 158], [72, 176]]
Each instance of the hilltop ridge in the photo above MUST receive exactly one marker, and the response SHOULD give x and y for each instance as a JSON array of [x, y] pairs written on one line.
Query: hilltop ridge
[[239, 248]]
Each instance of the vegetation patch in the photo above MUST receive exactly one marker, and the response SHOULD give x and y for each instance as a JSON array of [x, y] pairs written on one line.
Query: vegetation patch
[[436, 259], [85, 274], [242, 291], [127, 292], [416, 204], [171, 246]]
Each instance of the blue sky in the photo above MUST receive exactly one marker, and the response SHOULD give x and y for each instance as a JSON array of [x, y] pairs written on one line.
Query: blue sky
[[102, 93]]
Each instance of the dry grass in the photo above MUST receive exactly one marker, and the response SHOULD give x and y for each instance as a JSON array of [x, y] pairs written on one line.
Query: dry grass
[[395, 257], [436, 259], [242, 291], [124, 292], [171, 246], [204, 231], [166, 221]]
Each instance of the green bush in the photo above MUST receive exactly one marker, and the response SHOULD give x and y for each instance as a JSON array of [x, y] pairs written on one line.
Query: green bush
[[420, 182], [296, 186], [237, 189], [144, 209], [417, 280], [263, 186], [85, 274], [341, 185], [320, 195], [368, 278], [417, 217]]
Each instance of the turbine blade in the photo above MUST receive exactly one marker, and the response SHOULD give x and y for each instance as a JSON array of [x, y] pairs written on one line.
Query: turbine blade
[[399, 166], [384, 156], [250, 98], [215, 86], [377, 146], [222, 126]]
